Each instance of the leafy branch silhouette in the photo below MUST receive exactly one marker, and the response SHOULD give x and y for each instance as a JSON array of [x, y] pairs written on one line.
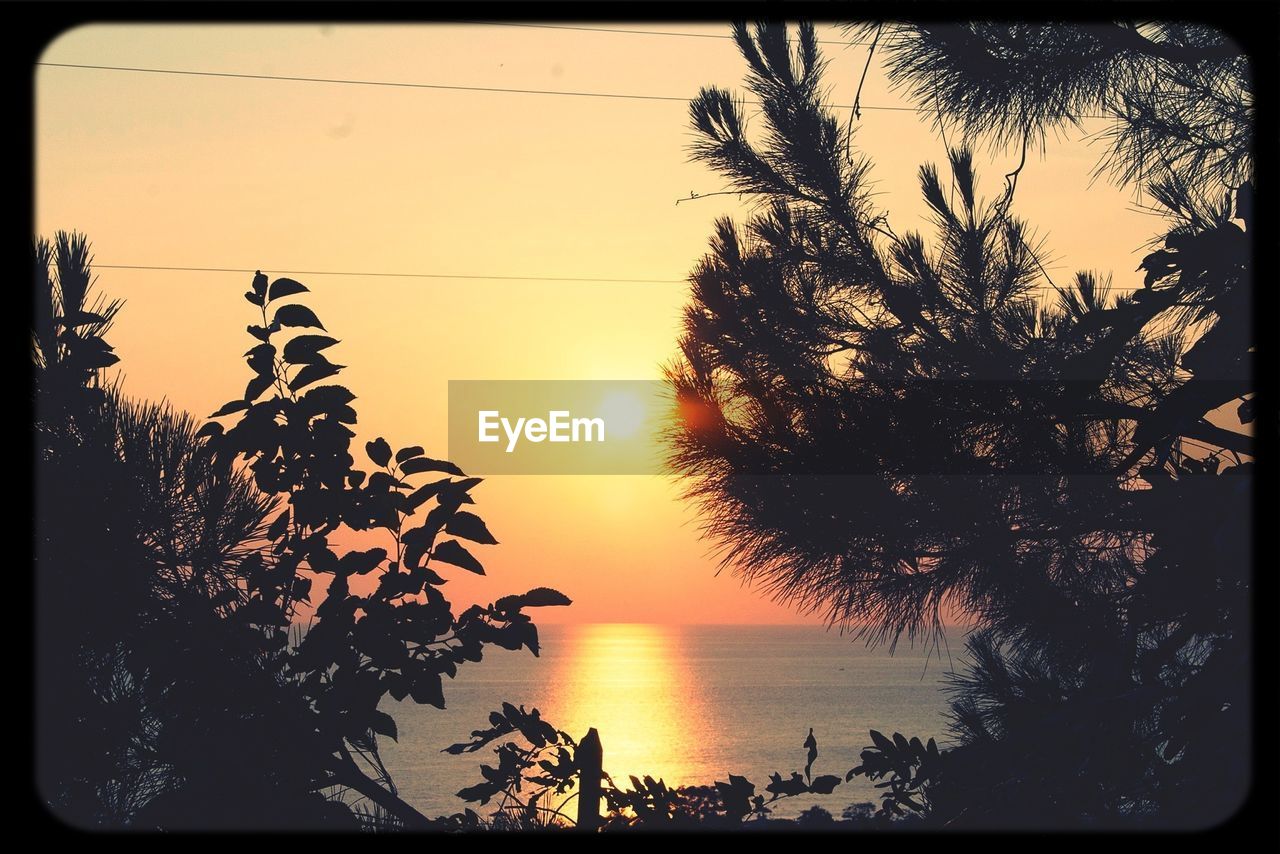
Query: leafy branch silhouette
[[382, 627], [538, 762]]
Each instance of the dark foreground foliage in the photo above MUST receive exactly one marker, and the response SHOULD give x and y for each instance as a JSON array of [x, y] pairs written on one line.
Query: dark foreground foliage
[[886, 429], [541, 770], [172, 562]]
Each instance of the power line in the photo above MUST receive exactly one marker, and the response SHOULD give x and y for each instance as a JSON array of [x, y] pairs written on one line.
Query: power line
[[474, 276], [443, 86], [345, 81], [396, 275], [586, 29]]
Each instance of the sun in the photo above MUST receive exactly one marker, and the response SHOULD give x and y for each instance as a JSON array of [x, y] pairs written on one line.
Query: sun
[[623, 413]]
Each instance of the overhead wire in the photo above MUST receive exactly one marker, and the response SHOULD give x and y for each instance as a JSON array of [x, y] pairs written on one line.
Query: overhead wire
[[400, 84], [399, 275]]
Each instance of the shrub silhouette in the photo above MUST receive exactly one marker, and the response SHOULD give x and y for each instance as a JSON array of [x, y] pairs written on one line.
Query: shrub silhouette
[[142, 692], [382, 627], [540, 771], [170, 693]]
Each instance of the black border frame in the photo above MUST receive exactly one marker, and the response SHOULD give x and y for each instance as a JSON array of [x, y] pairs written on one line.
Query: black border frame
[[1256, 26]]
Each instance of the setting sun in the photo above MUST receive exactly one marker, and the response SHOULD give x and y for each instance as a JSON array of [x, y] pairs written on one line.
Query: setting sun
[[624, 413]]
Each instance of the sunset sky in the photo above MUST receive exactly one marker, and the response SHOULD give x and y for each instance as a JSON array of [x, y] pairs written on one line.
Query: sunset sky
[[188, 171]]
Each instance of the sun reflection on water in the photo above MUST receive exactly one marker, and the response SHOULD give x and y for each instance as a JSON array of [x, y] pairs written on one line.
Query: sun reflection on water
[[630, 682]]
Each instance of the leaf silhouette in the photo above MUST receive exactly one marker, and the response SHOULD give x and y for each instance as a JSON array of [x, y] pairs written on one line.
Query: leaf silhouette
[[296, 315], [423, 493], [481, 792], [327, 397], [361, 563], [825, 784], [257, 386], [779, 787], [230, 407], [538, 597], [469, 526], [261, 358], [379, 451], [305, 349], [408, 453], [82, 318], [332, 400], [383, 724], [279, 526], [810, 744], [314, 372], [284, 287], [421, 464], [451, 551], [426, 690]]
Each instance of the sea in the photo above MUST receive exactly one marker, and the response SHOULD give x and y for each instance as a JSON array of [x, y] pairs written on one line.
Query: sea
[[685, 704]]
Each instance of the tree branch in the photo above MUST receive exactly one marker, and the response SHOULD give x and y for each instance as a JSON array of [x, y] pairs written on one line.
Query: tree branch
[[1129, 39], [350, 775]]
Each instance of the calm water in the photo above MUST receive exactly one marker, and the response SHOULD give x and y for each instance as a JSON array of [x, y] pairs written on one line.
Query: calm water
[[688, 704]]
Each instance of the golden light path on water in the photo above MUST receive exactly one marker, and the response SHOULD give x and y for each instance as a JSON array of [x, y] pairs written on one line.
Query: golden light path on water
[[685, 704], [630, 681]]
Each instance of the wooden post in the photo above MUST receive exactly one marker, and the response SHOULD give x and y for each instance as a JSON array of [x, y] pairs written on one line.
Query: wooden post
[[590, 758]]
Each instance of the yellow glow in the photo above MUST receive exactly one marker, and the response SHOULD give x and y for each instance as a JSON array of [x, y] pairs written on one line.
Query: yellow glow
[[623, 414], [628, 681], [168, 170]]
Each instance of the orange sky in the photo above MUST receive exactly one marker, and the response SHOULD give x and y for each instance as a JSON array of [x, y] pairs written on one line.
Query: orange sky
[[214, 172]]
